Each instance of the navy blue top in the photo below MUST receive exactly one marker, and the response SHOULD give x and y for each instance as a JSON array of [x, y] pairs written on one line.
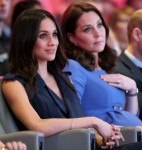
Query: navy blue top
[[47, 104], [100, 99]]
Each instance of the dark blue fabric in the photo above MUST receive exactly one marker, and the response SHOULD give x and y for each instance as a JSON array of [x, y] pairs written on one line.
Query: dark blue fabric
[[127, 67], [47, 104]]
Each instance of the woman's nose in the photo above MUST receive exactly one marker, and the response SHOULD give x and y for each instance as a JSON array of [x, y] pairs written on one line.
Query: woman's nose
[[96, 33], [51, 41]]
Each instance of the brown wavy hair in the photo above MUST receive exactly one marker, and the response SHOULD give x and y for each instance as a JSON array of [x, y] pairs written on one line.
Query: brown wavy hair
[[21, 59], [69, 20]]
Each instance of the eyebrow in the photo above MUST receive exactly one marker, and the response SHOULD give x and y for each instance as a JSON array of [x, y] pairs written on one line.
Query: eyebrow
[[48, 31], [90, 24]]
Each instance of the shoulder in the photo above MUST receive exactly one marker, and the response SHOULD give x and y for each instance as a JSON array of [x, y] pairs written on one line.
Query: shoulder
[[73, 66], [14, 77], [74, 63], [123, 58]]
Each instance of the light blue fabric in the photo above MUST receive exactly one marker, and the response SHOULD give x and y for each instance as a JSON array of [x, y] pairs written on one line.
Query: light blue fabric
[[98, 98]]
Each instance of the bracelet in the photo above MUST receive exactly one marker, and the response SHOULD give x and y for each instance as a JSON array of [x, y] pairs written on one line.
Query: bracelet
[[72, 123], [131, 95]]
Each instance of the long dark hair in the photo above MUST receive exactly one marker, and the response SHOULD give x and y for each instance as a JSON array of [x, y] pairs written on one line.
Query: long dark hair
[[21, 58], [69, 23]]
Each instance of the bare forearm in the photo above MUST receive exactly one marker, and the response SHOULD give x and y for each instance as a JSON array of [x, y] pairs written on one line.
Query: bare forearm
[[53, 126]]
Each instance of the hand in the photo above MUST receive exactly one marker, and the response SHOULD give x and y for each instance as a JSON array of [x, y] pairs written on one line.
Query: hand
[[104, 129], [140, 127], [15, 146], [109, 145], [114, 140], [117, 132], [120, 81], [118, 135]]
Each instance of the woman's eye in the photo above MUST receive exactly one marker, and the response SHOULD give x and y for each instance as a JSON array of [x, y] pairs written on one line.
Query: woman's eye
[[100, 24], [42, 36], [87, 29], [55, 34]]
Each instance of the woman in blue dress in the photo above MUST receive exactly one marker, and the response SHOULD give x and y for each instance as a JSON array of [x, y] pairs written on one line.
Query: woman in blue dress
[[108, 96]]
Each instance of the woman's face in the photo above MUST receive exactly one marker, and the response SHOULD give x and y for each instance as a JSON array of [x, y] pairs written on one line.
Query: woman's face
[[47, 41], [121, 27], [90, 33], [4, 9]]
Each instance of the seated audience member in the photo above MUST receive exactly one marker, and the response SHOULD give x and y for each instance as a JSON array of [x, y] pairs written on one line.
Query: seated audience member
[[91, 63], [4, 10], [130, 62], [136, 4], [36, 84], [13, 146], [118, 21], [22, 6], [96, 3]]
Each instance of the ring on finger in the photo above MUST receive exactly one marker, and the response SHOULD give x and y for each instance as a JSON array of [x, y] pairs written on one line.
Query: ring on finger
[[117, 82]]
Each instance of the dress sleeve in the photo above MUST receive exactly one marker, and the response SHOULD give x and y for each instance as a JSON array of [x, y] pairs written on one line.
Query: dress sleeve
[[13, 77]]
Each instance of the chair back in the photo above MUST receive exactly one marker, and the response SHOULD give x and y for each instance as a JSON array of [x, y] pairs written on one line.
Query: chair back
[[7, 123]]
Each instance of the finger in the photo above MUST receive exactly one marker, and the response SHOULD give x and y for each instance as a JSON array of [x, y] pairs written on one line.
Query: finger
[[105, 140], [24, 147], [117, 132], [104, 147], [12, 146], [117, 143], [2, 145], [21, 146], [118, 136], [107, 147], [9, 146], [115, 84], [110, 143], [115, 128]]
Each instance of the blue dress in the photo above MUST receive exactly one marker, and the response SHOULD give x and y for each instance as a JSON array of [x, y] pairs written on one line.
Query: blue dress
[[98, 98]]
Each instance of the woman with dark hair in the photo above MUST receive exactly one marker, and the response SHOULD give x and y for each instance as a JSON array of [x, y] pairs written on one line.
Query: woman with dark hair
[[91, 62], [35, 86]]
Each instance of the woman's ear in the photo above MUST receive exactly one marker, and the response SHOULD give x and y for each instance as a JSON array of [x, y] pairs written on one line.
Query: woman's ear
[[136, 34], [72, 38]]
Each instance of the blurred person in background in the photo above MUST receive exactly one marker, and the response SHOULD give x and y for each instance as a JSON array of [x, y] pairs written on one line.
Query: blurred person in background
[[108, 6], [118, 21], [7, 22], [56, 7], [4, 10], [135, 4], [130, 61], [22, 6], [96, 3]]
